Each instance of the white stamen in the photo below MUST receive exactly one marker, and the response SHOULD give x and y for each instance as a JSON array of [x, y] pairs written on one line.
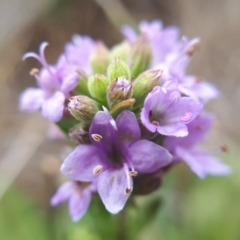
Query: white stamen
[[97, 169], [96, 137], [133, 173], [128, 190], [34, 71]]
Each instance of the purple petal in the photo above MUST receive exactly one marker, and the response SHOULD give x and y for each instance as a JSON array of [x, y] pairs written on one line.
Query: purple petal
[[112, 185], [70, 81], [177, 129], [63, 193], [80, 163], [203, 163], [52, 108], [147, 156], [104, 125], [128, 128], [79, 203], [129, 33], [31, 100]]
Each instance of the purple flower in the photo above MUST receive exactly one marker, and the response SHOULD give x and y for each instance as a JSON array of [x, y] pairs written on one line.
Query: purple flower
[[166, 112], [116, 154], [162, 40], [79, 51], [77, 194], [201, 162], [54, 82]]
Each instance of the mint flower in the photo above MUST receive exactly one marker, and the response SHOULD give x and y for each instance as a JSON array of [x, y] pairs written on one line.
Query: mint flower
[[201, 162], [77, 194], [166, 112], [54, 85], [116, 155]]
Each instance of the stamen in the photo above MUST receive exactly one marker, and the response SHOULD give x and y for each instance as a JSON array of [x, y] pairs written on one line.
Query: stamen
[[156, 123], [133, 173], [186, 117], [224, 148], [34, 71], [192, 49], [97, 169], [96, 137], [128, 191]]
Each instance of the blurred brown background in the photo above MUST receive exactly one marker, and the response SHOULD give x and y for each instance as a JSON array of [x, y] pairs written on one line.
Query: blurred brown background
[[24, 24]]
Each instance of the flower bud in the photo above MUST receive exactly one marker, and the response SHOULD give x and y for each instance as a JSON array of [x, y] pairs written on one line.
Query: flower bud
[[121, 50], [82, 108], [119, 89], [140, 56], [100, 58], [124, 105], [118, 68], [97, 85], [144, 83], [78, 134]]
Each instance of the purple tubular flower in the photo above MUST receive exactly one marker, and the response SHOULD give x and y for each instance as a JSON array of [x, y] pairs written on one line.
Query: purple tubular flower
[[166, 112], [78, 53], [201, 162], [78, 196], [55, 83], [116, 154]]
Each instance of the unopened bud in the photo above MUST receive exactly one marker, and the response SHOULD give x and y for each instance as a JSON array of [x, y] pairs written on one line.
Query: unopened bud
[[118, 68], [78, 134], [121, 50], [144, 83], [140, 56], [119, 89], [82, 108], [97, 85], [100, 58]]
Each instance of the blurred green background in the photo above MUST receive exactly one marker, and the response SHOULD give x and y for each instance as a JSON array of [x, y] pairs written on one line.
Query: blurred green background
[[185, 207]]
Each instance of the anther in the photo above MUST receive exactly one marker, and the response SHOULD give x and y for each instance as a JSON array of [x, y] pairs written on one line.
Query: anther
[[128, 191], [96, 137], [190, 51], [34, 71], [97, 169], [133, 173], [224, 148], [156, 123], [186, 117]]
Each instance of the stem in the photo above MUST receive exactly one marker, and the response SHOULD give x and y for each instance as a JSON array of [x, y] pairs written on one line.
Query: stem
[[122, 226]]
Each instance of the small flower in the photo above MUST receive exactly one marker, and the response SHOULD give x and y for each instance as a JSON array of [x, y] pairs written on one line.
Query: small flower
[[166, 112], [78, 53], [201, 162], [77, 194], [55, 83], [116, 154]]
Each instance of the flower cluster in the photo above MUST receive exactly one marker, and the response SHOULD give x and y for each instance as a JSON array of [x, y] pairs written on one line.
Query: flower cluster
[[131, 111]]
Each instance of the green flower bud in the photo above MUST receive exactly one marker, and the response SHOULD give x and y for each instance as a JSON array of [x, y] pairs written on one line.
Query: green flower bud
[[119, 89], [82, 87], [144, 83], [97, 85], [140, 56], [118, 68], [121, 50], [126, 104], [82, 108], [100, 58]]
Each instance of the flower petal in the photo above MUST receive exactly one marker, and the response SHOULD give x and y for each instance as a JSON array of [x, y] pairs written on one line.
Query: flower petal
[[52, 109], [112, 185], [63, 193], [31, 100], [173, 129], [147, 156], [128, 128], [80, 163], [129, 33], [104, 125], [79, 203], [202, 163]]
